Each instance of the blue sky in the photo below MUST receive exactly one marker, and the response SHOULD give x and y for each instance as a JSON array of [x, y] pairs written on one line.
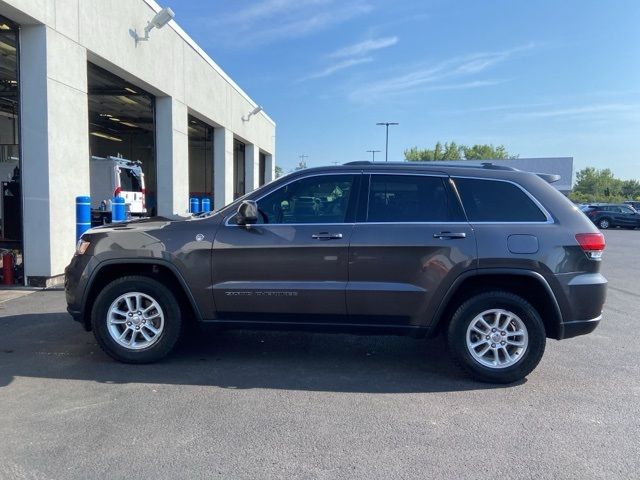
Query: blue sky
[[544, 78]]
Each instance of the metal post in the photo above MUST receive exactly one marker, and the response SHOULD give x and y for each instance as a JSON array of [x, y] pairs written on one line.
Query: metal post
[[373, 154], [386, 124]]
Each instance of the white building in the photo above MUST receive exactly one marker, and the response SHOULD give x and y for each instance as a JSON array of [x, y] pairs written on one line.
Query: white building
[[75, 82]]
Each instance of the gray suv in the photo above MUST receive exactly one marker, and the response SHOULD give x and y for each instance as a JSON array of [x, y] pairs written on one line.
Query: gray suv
[[495, 258]]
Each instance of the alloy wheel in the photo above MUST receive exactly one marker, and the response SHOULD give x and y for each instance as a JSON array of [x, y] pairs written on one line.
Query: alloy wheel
[[497, 338], [135, 320]]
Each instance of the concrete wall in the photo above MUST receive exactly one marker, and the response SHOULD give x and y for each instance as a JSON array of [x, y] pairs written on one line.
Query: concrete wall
[[58, 37]]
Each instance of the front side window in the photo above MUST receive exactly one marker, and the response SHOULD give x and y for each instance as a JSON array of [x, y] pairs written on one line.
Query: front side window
[[497, 201], [408, 198], [318, 199]]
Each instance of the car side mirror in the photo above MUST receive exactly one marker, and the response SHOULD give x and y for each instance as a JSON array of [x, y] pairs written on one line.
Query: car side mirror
[[247, 212]]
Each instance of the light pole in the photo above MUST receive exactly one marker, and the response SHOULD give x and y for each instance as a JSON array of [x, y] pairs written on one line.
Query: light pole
[[386, 124], [373, 154]]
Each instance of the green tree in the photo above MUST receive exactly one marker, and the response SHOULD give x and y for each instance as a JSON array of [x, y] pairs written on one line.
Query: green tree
[[486, 152], [448, 151], [630, 189], [594, 185], [453, 151], [279, 171], [301, 165]]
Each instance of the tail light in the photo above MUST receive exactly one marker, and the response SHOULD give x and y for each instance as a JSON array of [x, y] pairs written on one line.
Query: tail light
[[591, 213], [116, 192], [592, 244]]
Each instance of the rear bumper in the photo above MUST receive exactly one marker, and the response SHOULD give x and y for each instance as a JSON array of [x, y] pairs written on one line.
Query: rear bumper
[[578, 327], [581, 304]]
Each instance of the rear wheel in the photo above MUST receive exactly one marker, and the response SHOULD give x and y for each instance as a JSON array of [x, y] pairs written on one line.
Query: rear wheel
[[497, 337], [604, 223], [136, 319]]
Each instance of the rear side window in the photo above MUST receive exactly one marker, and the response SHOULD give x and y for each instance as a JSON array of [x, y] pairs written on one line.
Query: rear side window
[[497, 201], [410, 198], [129, 180]]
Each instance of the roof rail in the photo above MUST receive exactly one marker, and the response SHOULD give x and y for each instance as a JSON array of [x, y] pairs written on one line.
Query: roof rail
[[437, 163]]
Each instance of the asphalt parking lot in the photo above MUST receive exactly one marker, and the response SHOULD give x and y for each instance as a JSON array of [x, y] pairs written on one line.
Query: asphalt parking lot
[[296, 405]]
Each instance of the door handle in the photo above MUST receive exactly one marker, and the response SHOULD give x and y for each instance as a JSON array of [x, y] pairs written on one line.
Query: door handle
[[326, 236], [450, 235]]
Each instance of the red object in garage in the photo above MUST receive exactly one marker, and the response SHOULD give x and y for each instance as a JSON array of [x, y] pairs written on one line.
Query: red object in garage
[[7, 269]]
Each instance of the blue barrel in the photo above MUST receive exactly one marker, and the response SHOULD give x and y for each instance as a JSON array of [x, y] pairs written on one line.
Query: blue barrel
[[117, 210], [206, 205], [83, 215], [194, 205]]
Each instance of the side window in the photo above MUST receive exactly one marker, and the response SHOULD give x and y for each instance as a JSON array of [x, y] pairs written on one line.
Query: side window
[[409, 198], [627, 210], [497, 201], [318, 199]]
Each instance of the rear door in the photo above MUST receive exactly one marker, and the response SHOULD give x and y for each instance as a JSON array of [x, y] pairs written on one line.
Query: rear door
[[292, 265], [410, 242]]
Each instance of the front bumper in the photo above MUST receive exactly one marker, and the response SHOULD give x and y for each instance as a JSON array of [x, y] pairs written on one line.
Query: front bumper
[[75, 281]]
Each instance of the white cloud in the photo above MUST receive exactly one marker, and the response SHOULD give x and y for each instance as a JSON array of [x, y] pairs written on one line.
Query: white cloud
[[272, 20], [336, 67], [270, 8], [427, 77], [362, 48], [581, 111]]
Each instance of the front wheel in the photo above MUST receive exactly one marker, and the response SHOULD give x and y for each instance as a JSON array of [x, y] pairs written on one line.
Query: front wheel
[[497, 337], [136, 319]]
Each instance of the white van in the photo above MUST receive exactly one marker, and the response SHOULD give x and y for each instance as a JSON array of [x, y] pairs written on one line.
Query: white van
[[116, 177]]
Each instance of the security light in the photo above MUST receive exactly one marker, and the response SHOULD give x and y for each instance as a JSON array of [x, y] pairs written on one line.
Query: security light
[[160, 19], [255, 111]]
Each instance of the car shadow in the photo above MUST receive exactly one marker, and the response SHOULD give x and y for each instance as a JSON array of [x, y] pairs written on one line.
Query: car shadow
[[53, 346]]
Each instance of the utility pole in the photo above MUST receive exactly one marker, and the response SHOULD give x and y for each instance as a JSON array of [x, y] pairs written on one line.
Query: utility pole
[[386, 124], [303, 163], [373, 154]]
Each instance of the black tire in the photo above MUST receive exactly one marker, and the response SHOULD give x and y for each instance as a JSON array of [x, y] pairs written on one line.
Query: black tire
[[162, 295], [457, 336], [604, 223]]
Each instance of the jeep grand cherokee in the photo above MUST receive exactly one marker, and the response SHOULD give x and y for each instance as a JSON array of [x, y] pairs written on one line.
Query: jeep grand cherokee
[[495, 258]]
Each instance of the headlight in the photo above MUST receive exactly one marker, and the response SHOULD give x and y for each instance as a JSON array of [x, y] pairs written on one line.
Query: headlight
[[82, 246]]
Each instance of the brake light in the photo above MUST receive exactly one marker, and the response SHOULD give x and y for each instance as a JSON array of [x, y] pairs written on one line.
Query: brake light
[[592, 244], [591, 213], [116, 192]]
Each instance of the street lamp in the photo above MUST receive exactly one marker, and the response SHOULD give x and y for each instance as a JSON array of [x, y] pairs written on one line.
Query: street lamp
[[386, 124], [373, 154]]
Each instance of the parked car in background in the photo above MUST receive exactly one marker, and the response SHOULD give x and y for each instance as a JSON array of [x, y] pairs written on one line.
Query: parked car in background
[[633, 203], [494, 258], [612, 215]]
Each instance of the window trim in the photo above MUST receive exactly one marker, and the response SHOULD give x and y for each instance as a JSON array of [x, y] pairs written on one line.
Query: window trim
[[549, 219], [358, 185]]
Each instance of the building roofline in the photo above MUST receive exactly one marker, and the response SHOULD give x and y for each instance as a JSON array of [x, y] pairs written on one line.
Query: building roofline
[[182, 34]]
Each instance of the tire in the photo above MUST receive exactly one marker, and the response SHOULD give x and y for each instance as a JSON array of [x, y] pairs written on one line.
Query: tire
[[604, 223], [154, 308], [525, 327]]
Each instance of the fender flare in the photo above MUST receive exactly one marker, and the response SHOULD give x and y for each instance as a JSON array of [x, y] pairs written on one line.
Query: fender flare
[[138, 261], [444, 303]]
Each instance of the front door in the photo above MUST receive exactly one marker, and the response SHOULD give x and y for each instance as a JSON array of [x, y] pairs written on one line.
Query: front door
[[406, 251], [292, 265]]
